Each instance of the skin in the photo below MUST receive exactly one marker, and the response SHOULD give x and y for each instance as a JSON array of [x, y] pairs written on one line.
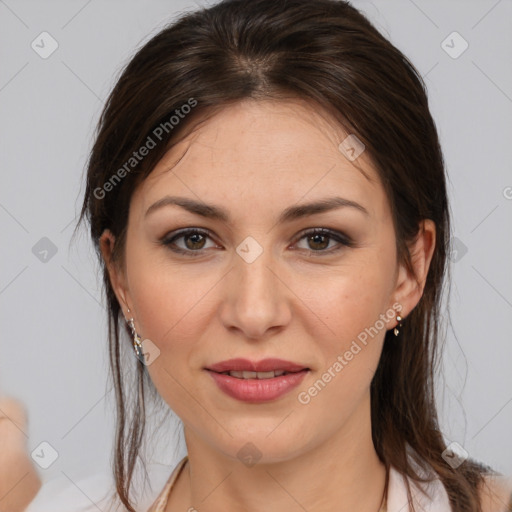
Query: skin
[[254, 159], [496, 494], [19, 480]]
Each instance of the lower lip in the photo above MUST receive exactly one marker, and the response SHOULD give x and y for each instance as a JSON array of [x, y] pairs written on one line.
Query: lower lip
[[257, 390]]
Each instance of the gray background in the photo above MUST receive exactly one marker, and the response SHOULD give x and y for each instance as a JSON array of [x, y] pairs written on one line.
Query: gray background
[[53, 323]]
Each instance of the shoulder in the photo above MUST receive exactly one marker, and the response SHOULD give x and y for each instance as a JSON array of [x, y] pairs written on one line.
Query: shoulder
[[160, 503], [496, 494]]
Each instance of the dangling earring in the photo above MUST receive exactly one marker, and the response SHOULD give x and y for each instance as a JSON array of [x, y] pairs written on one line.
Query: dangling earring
[[137, 341], [399, 320]]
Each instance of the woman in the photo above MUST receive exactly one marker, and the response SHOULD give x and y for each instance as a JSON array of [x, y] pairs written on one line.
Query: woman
[[267, 196]]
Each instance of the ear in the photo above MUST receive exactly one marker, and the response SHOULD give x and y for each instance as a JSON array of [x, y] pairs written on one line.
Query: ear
[[116, 274], [409, 288]]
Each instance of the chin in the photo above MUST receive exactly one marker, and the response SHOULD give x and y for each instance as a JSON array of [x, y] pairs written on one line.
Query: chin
[[257, 446]]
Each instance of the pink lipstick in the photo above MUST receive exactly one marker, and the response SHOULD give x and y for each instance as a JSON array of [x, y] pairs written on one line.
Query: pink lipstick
[[257, 381]]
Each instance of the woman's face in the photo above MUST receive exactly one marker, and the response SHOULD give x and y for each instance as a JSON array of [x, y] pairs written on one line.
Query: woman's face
[[259, 284]]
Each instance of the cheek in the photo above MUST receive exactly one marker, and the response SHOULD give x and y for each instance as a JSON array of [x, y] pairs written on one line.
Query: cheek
[[167, 304], [351, 306], [336, 304], [349, 300], [168, 308], [164, 294]]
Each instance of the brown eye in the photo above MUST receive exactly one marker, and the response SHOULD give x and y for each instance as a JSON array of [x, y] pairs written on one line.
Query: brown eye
[[318, 241], [194, 241]]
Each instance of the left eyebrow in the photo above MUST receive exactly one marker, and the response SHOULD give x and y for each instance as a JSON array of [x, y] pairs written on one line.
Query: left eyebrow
[[291, 213]]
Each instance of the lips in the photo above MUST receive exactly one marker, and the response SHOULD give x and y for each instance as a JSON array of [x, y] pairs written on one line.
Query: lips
[[265, 365], [257, 381]]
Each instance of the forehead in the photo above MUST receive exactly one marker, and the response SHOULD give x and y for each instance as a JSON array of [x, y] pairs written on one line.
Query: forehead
[[269, 152]]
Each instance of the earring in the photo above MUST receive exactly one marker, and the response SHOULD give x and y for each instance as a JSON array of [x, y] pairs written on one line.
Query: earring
[[137, 340], [399, 320]]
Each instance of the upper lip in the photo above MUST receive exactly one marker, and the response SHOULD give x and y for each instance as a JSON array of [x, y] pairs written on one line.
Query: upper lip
[[265, 365]]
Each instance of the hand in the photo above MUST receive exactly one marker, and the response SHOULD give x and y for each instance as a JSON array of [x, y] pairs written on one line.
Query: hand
[[19, 480]]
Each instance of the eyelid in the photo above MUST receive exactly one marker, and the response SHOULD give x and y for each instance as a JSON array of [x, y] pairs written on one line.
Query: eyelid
[[341, 238], [333, 233], [169, 239]]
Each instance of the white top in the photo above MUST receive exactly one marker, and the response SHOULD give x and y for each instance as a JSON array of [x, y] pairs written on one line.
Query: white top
[[396, 502], [92, 493], [435, 500]]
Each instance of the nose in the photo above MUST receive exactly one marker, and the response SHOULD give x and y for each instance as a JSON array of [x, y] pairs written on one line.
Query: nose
[[256, 300]]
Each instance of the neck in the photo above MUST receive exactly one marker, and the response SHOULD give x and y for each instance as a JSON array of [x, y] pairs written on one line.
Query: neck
[[342, 474]]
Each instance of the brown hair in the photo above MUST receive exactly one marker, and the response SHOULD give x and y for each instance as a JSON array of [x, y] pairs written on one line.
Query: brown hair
[[327, 52]]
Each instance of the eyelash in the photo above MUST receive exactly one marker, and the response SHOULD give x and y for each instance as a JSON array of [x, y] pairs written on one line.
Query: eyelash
[[342, 239]]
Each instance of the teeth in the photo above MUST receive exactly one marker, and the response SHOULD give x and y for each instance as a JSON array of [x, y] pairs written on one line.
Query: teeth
[[255, 375]]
